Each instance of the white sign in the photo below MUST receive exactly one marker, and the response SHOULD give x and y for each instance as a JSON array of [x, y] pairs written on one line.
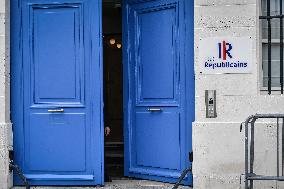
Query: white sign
[[225, 55]]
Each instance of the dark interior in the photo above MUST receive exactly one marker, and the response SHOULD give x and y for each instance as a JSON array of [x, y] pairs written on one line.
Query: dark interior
[[113, 90]]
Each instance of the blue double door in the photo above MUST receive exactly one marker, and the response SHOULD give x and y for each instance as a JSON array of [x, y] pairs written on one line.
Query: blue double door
[[57, 104]]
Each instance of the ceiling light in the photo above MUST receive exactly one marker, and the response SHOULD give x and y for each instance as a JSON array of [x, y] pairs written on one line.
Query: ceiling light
[[112, 41], [118, 45]]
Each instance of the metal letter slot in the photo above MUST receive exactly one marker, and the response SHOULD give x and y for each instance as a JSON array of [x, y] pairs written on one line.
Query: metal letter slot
[[154, 109], [56, 110]]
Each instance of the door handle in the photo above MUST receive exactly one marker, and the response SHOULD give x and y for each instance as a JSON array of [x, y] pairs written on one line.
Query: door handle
[[56, 110], [154, 109]]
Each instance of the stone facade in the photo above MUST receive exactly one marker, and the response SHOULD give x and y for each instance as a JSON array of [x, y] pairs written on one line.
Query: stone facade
[[218, 144], [5, 126]]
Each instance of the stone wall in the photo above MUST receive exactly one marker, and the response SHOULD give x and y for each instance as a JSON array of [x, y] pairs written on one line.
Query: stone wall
[[5, 126], [218, 144]]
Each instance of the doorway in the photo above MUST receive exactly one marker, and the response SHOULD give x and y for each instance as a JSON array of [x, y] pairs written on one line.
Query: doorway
[[149, 99], [113, 89]]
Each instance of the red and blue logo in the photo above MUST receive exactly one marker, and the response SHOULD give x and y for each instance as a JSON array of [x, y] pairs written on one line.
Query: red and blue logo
[[225, 58], [224, 50]]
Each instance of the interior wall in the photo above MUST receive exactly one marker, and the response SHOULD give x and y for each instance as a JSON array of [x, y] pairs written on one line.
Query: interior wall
[[113, 89], [113, 110], [111, 15]]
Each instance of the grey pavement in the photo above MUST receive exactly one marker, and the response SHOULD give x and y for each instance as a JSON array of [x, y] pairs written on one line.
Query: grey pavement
[[121, 184]]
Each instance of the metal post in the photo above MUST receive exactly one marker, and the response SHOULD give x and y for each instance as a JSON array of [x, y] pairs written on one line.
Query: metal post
[[269, 46], [277, 147], [282, 146], [251, 150], [246, 151], [281, 46], [246, 155]]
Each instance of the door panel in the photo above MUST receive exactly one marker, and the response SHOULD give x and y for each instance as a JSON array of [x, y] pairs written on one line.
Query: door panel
[[154, 134], [58, 150], [57, 91], [156, 57], [57, 60], [158, 132], [155, 54]]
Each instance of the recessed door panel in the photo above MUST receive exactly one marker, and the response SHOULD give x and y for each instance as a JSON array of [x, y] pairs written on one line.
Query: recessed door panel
[[51, 140], [57, 33], [157, 61], [157, 140]]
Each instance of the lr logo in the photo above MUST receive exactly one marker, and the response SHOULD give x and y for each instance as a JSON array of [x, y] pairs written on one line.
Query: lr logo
[[219, 55], [224, 49]]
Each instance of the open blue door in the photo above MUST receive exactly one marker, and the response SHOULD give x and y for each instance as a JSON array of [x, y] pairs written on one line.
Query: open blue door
[[158, 88], [57, 91]]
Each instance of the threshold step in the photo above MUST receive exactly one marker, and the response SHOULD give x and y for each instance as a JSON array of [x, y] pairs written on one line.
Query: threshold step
[[114, 154]]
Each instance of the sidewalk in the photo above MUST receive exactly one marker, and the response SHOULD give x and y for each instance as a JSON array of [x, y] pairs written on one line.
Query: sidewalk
[[121, 184]]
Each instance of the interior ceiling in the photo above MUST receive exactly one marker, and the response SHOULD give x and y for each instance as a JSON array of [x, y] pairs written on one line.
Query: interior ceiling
[[110, 4], [111, 1]]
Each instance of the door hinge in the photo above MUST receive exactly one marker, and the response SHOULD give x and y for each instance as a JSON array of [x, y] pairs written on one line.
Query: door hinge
[[190, 156]]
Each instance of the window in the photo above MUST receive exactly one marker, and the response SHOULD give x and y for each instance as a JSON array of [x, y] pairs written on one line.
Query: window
[[272, 44]]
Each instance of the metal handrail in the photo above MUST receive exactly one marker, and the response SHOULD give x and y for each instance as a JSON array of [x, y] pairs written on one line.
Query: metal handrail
[[250, 176]]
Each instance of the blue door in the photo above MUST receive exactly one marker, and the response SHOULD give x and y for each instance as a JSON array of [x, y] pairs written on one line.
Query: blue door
[[158, 88], [57, 91]]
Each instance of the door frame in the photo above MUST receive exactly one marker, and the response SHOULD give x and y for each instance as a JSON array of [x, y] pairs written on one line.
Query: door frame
[[188, 51], [17, 94]]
